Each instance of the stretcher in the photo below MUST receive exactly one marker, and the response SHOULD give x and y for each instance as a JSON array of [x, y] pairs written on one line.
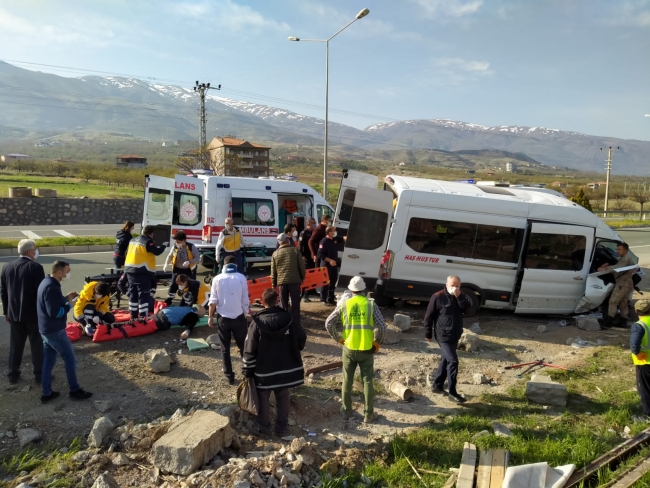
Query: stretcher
[[208, 256], [314, 278]]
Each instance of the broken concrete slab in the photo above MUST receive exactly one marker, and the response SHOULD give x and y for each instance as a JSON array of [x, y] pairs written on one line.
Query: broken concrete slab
[[587, 323], [105, 480], [192, 442], [158, 360], [480, 379], [102, 428], [543, 390], [402, 321]]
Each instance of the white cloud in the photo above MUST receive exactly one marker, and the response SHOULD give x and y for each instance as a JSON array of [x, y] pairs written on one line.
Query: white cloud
[[449, 8], [631, 13], [457, 71], [227, 15]]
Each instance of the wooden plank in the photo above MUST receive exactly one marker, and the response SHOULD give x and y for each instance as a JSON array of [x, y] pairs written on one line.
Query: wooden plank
[[498, 468], [324, 367], [633, 476], [467, 467], [451, 481], [615, 455], [484, 469]]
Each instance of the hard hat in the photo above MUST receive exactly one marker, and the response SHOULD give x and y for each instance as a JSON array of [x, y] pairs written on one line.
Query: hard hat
[[357, 284]]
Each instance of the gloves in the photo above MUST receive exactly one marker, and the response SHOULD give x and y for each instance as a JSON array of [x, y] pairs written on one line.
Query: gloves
[[165, 268], [96, 319], [249, 373], [341, 341], [186, 264], [375, 347]]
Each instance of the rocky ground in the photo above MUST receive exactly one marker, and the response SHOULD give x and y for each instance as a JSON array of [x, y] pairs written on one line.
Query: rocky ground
[[139, 402]]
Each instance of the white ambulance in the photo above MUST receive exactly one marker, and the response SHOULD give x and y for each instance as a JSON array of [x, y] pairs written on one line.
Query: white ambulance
[[521, 249], [199, 204]]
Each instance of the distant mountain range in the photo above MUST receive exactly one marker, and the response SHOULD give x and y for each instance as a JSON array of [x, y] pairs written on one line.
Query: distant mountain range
[[35, 101]]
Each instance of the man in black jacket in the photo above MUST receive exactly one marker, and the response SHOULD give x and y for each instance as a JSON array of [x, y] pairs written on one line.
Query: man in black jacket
[[305, 235], [272, 358], [19, 283], [444, 321]]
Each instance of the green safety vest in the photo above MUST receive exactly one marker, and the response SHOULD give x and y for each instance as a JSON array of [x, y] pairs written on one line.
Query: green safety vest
[[357, 315], [644, 354]]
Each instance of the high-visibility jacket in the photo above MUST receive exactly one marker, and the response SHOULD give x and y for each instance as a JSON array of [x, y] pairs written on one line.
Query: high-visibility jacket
[[87, 296], [357, 315], [199, 291], [644, 354], [190, 255], [231, 240], [441, 229], [137, 255]]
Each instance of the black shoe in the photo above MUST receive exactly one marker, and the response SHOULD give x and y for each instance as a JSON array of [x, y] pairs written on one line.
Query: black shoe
[[605, 322], [13, 379], [231, 379], [51, 396], [331, 302], [457, 398], [80, 394], [439, 391]]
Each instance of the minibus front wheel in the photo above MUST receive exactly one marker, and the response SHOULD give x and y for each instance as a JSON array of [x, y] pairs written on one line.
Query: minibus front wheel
[[474, 298]]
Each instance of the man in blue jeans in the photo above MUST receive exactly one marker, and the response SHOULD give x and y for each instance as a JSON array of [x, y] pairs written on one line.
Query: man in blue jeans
[[52, 309]]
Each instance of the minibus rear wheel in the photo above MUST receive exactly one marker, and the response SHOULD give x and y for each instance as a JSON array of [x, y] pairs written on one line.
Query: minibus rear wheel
[[474, 298]]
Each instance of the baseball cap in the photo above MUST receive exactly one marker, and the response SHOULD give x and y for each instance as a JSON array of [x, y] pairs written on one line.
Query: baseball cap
[[357, 284], [642, 307]]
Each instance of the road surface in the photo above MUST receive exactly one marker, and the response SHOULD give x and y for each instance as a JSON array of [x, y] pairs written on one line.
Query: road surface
[[39, 231]]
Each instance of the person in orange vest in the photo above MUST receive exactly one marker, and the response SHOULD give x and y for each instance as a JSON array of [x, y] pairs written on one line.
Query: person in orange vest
[[640, 347]]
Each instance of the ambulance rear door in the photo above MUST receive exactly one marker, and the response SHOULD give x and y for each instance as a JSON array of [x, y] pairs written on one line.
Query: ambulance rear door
[[188, 207], [350, 182], [157, 212]]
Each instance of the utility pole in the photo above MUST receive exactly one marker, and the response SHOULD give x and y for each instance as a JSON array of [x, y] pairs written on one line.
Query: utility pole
[[609, 169], [201, 88]]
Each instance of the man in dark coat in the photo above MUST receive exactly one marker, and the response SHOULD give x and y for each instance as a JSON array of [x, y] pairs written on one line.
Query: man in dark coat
[[272, 357], [444, 322], [305, 235], [19, 283]]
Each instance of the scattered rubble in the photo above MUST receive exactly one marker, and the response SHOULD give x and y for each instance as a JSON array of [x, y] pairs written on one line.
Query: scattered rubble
[[480, 379], [541, 329], [99, 434], [105, 480], [158, 360], [476, 328], [542, 389], [26, 436], [402, 322], [501, 430], [587, 323], [469, 341]]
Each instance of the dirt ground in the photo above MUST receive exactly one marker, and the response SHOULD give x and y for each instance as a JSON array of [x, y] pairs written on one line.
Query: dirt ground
[[115, 371]]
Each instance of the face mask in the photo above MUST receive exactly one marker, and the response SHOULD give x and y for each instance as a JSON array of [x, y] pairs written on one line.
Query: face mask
[[67, 277], [295, 233], [36, 254], [179, 245], [229, 227], [335, 234], [452, 289]]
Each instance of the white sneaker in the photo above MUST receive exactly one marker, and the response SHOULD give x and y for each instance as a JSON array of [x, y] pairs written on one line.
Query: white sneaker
[[88, 329]]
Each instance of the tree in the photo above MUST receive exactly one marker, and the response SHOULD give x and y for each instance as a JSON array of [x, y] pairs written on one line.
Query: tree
[[641, 198], [618, 201], [86, 172], [581, 199], [198, 159]]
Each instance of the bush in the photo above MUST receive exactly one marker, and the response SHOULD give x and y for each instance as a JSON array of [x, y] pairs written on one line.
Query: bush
[[581, 199]]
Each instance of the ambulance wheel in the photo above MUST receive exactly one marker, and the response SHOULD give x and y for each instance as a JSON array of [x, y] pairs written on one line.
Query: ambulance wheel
[[474, 298]]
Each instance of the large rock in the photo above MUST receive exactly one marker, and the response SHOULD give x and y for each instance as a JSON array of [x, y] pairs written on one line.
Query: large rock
[[213, 339], [105, 480], [192, 442], [587, 323], [402, 322], [469, 341], [158, 360], [101, 430], [25, 436], [542, 389], [393, 335]]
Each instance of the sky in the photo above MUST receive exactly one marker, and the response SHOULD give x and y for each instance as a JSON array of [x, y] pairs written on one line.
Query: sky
[[578, 65]]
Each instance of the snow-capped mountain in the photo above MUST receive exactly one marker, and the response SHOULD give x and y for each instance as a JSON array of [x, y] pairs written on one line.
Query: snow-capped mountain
[[41, 101]]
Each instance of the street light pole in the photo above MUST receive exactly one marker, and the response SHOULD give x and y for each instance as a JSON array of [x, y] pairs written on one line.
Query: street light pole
[[360, 15]]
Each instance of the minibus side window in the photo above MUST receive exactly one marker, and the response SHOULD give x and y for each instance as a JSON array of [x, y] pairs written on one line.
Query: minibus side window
[[347, 204], [556, 251]]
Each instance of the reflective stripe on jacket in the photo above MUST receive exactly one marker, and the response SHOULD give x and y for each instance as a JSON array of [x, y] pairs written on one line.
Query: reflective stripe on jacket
[[137, 255], [642, 358], [357, 316], [87, 296]]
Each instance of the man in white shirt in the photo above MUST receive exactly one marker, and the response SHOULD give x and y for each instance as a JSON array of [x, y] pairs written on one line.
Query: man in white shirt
[[229, 299]]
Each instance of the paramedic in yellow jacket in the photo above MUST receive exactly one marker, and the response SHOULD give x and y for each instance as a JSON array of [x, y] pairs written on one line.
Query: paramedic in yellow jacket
[[184, 258], [92, 306], [231, 243], [140, 268]]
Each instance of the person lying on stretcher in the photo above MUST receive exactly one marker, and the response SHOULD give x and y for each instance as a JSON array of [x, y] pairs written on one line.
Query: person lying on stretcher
[[92, 306], [186, 316]]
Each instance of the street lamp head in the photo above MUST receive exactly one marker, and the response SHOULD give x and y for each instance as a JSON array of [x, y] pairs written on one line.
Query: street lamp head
[[294, 38], [363, 13]]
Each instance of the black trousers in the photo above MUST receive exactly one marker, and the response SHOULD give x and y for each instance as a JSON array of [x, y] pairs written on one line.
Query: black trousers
[[291, 291], [19, 332], [139, 294], [231, 328], [282, 397], [448, 367], [327, 292], [173, 288], [643, 386]]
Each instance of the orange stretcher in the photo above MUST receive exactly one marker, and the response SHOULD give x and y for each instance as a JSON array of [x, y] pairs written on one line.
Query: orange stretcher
[[314, 278]]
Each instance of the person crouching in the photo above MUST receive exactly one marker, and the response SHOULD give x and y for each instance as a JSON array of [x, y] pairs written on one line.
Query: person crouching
[[92, 306], [272, 357]]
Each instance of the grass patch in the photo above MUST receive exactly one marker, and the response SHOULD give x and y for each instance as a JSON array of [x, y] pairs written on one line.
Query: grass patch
[[61, 241], [601, 403], [617, 224], [68, 187], [45, 459]]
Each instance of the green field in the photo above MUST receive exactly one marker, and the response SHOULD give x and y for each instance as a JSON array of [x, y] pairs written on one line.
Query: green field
[[67, 187]]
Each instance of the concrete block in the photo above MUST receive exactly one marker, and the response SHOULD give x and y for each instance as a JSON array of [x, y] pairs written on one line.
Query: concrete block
[[71, 249], [402, 322], [51, 250], [191, 442], [158, 360], [587, 323], [469, 341], [542, 389], [101, 430]]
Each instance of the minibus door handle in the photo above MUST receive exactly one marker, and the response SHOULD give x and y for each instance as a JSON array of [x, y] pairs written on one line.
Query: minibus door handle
[[578, 278], [353, 256]]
